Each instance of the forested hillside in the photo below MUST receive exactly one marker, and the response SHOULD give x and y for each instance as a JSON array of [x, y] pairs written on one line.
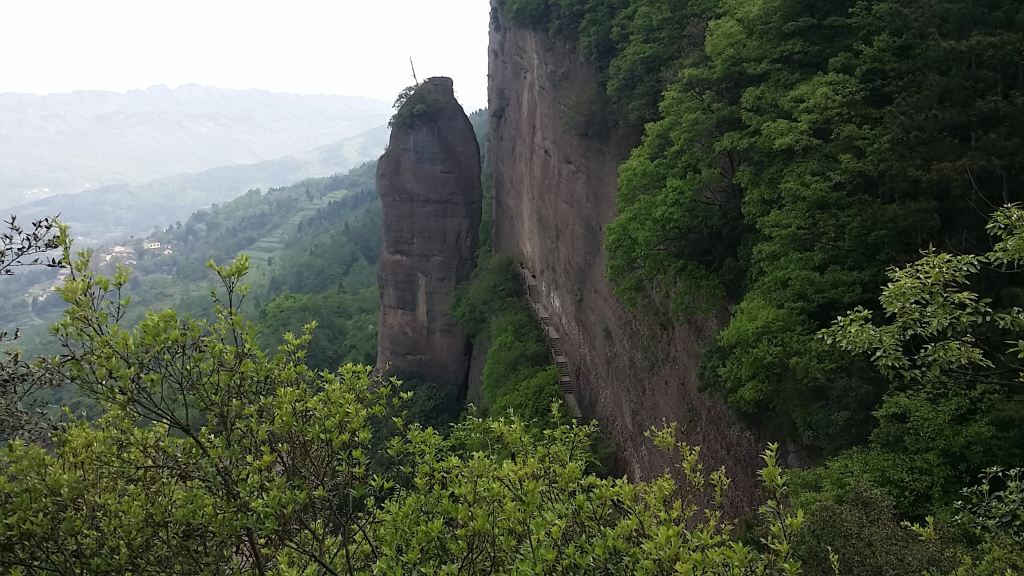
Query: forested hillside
[[789, 153], [313, 249]]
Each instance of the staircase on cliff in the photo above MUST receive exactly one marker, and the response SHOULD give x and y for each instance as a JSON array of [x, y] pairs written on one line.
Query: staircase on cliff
[[565, 382]]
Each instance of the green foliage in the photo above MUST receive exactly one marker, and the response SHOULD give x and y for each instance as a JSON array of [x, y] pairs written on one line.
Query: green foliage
[[481, 128], [994, 511], [19, 381], [996, 505], [955, 403], [213, 457], [432, 405], [954, 406], [530, 392], [863, 531], [22, 247], [515, 501], [415, 104], [207, 447], [346, 325], [528, 12], [494, 290], [793, 150], [518, 374], [650, 36]]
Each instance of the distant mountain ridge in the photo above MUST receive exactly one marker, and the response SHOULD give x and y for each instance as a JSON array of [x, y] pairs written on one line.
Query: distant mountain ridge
[[65, 143], [120, 210]]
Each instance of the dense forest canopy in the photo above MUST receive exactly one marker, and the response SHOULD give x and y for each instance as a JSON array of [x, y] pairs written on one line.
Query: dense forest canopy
[[790, 152], [796, 149], [314, 248]]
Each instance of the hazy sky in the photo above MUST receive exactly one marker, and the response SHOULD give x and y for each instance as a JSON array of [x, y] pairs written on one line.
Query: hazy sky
[[354, 47]]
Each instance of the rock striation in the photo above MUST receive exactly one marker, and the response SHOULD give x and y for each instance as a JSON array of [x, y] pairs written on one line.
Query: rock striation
[[429, 185]]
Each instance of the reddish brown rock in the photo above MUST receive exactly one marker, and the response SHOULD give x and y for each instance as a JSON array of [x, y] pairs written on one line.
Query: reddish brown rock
[[429, 185]]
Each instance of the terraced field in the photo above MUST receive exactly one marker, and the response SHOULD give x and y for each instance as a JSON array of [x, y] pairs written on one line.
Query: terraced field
[[270, 246]]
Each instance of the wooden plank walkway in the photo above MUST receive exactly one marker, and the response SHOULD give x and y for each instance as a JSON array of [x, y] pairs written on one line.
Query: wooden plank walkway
[[565, 382]]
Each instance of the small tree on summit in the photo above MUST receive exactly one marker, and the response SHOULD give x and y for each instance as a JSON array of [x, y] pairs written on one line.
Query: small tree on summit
[[405, 94]]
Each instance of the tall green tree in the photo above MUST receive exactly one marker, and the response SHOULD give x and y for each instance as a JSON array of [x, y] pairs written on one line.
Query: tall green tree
[[955, 402]]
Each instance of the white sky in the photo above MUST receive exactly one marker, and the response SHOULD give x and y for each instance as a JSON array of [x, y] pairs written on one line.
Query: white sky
[[352, 47]]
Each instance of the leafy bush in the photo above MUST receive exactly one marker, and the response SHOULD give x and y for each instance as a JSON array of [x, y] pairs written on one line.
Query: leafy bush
[[953, 408], [518, 373], [494, 290], [430, 405], [992, 511], [415, 104], [346, 326], [954, 404], [864, 532], [215, 458]]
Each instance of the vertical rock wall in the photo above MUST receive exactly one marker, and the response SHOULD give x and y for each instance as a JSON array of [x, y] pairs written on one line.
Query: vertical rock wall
[[554, 193], [429, 184]]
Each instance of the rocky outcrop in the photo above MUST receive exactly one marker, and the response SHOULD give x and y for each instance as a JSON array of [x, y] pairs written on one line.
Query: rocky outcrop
[[429, 185], [554, 193]]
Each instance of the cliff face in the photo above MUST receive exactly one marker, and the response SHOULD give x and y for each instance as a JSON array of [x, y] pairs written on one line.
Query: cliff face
[[554, 193], [429, 184]]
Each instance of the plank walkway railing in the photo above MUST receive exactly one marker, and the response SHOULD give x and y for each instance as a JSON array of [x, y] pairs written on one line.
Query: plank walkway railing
[[565, 382]]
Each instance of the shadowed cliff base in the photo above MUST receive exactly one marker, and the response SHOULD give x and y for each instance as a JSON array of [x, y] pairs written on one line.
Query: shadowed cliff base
[[429, 184]]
